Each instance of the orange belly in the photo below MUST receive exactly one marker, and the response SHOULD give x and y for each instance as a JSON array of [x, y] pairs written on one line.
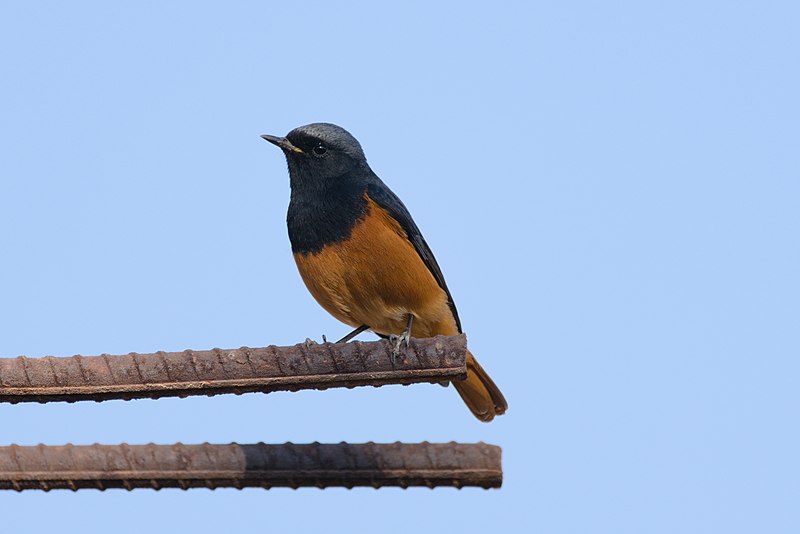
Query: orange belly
[[377, 278]]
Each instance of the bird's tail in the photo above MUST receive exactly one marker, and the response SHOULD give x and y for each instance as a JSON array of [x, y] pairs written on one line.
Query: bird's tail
[[480, 393]]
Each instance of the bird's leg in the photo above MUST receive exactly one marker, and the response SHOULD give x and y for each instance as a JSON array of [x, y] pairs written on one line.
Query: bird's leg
[[402, 338], [353, 334]]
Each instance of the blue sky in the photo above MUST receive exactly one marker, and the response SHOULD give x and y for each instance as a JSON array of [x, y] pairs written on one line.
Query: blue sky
[[612, 191]]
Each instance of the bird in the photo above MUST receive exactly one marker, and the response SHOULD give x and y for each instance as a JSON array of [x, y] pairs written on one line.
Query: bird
[[363, 258]]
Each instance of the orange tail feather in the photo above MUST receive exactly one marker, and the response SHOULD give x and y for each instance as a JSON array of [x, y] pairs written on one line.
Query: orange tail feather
[[480, 393]]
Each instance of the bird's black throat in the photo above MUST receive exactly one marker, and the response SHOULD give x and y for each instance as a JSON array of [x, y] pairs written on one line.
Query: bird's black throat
[[323, 214]]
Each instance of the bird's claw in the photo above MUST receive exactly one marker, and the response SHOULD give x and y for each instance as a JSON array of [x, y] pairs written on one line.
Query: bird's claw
[[399, 341], [310, 342]]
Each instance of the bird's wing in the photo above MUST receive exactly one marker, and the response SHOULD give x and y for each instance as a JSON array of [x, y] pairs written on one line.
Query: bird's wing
[[386, 199]]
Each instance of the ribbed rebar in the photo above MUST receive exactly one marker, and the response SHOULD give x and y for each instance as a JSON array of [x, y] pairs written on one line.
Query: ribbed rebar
[[259, 465], [216, 371]]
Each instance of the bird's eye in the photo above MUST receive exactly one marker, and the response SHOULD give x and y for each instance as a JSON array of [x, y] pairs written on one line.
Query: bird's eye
[[320, 149]]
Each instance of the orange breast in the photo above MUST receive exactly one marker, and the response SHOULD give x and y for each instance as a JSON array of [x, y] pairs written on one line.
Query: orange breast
[[376, 278]]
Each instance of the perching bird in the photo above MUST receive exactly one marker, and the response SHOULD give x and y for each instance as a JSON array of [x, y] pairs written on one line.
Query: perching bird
[[361, 255]]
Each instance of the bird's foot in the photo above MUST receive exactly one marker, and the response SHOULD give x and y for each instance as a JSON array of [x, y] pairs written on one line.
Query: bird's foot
[[402, 339], [400, 344], [310, 342]]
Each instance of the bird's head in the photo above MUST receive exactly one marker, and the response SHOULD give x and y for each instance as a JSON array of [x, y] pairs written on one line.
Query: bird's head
[[320, 153]]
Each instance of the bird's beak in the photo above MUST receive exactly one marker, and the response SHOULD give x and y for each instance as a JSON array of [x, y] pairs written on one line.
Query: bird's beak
[[282, 143]]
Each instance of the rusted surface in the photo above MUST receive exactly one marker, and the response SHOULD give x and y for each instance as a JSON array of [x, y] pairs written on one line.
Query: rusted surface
[[212, 372], [258, 465]]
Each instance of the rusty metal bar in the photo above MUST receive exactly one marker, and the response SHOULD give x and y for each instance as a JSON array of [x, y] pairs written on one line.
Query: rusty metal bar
[[212, 372], [258, 465]]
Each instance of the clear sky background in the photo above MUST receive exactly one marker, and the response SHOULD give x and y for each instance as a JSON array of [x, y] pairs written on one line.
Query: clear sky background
[[611, 188]]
